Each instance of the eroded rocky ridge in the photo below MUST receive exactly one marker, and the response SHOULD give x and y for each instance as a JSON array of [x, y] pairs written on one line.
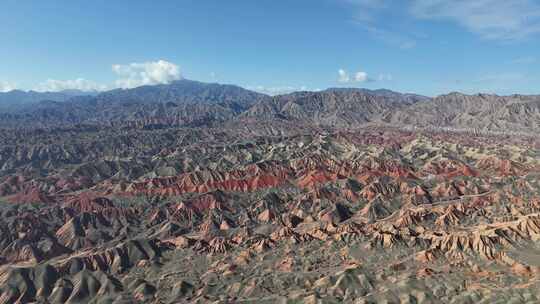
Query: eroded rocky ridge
[[186, 103], [254, 212]]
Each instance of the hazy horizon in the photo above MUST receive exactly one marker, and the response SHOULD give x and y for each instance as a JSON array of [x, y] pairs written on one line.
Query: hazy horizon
[[76, 91]]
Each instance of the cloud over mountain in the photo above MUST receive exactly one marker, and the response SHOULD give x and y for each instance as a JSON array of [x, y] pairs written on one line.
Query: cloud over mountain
[[146, 73], [6, 86], [345, 77], [129, 76], [278, 90], [53, 85]]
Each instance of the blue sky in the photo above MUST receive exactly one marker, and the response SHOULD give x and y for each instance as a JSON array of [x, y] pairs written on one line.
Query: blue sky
[[423, 46]]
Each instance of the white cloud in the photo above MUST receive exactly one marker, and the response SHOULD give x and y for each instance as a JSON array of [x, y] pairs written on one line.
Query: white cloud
[[360, 77], [279, 90], [146, 73], [344, 77], [53, 85], [129, 76], [491, 19], [6, 87]]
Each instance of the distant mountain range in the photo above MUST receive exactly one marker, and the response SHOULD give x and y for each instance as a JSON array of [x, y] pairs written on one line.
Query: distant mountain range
[[18, 99], [334, 107], [481, 111], [192, 103]]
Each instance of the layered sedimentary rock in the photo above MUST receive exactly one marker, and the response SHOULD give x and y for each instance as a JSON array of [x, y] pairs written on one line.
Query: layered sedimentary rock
[[271, 213]]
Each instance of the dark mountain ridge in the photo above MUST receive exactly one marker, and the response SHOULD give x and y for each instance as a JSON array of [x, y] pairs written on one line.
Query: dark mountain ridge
[[193, 103], [183, 91], [182, 102], [18, 99]]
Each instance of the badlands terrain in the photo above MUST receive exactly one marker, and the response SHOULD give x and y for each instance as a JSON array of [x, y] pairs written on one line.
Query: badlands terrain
[[207, 193]]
